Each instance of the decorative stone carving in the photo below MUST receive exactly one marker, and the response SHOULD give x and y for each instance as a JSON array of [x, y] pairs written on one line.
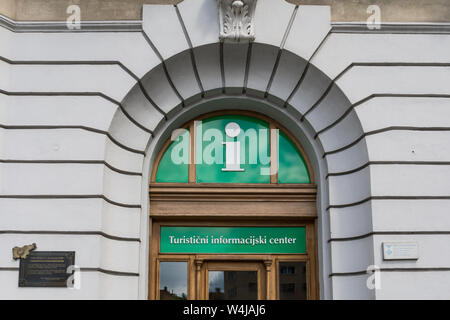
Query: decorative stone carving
[[23, 252], [236, 20]]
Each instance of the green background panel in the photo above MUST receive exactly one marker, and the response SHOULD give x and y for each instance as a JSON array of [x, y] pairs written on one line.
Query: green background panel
[[292, 167], [212, 173], [170, 172], [299, 247]]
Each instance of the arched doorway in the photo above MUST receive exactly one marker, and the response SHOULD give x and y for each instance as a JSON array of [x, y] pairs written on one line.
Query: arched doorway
[[233, 212], [307, 106]]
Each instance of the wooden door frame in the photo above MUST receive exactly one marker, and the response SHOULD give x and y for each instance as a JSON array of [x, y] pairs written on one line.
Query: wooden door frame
[[223, 204], [197, 262]]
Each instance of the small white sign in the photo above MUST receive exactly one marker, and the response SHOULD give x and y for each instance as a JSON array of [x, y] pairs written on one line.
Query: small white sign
[[400, 250]]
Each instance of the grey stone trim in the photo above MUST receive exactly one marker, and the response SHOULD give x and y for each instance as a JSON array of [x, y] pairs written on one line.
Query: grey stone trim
[[82, 233], [389, 233], [118, 63], [274, 71], [371, 163], [102, 95], [280, 51], [110, 272], [353, 204], [370, 64], [222, 68], [305, 70], [82, 196], [164, 66], [392, 28], [191, 51], [71, 127], [101, 162], [69, 62], [289, 27], [364, 64], [60, 26], [364, 272], [136, 26], [247, 67], [393, 128], [151, 101]]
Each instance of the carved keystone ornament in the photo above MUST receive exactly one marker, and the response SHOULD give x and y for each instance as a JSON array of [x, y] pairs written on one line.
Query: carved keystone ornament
[[236, 20]]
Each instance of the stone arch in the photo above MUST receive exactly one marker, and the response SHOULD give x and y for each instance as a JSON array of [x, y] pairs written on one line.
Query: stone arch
[[259, 77]]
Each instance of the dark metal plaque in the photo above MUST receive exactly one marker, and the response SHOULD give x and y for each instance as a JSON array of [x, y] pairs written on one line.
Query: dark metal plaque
[[46, 269]]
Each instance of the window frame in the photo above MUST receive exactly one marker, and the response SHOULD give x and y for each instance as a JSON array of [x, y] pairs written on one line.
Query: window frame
[[192, 176]]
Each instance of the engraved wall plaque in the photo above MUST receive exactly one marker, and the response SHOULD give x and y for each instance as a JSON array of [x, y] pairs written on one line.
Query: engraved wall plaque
[[46, 269]]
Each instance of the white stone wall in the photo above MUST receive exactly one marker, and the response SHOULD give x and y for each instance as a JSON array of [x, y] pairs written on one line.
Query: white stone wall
[[82, 115]]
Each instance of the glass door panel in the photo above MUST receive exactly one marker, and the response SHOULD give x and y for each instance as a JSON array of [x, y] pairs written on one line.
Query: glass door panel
[[292, 280], [173, 280], [233, 285], [235, 281]]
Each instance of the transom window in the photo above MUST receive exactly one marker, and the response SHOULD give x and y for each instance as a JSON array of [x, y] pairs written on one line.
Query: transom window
[[232, 147]]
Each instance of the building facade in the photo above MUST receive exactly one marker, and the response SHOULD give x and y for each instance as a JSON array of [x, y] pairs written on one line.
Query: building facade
[[352, 114]]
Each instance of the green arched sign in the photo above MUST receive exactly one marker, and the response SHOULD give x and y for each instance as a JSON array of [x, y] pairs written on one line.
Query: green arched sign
[[233, 149]]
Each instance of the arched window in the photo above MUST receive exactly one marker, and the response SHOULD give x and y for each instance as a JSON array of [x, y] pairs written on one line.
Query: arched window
[[233, 175], [232, 147]]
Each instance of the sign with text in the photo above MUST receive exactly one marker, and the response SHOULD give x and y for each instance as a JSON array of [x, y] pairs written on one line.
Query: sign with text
[[400, 250], [244, 240], [46, 269]]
